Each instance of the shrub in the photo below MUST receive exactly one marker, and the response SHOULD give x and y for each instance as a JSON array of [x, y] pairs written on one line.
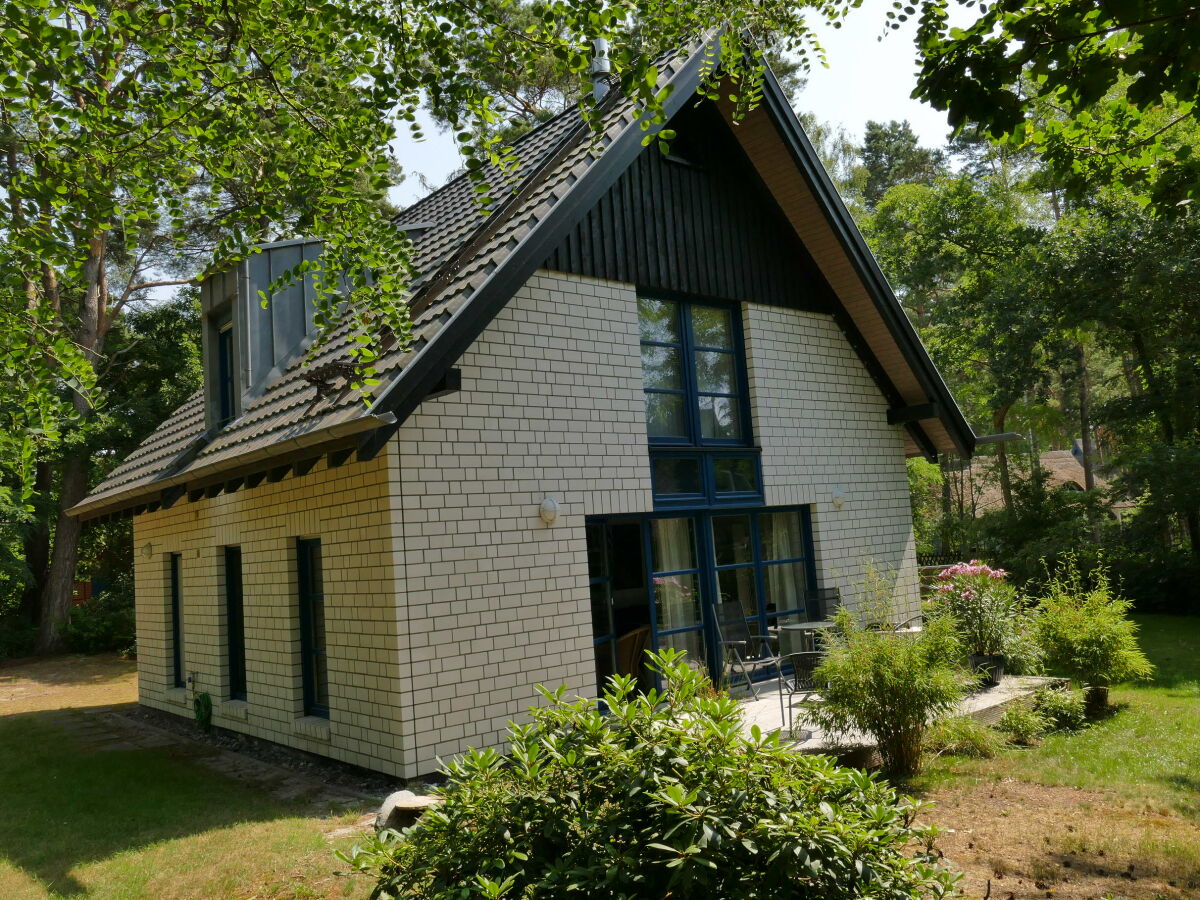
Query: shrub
[[1086, 633], [1063, 709], [888, 685], [17, 635], [104, 624], [990, 614], [962, 736], [1023, 724], [662, 797]]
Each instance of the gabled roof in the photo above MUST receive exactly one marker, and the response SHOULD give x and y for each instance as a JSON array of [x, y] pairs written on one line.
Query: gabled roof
[[470, 264]]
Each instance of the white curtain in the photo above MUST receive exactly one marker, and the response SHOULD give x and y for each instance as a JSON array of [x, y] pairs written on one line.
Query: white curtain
[[785, 583]]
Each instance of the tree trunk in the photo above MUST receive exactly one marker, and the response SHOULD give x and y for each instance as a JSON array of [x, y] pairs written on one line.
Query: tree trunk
[[60, 578], [999, 417], [1191, 522], [1085, 423], [947, 504], [36, 546]]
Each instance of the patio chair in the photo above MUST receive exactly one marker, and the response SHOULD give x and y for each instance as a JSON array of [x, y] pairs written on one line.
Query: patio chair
[[744, 653], [911, 625], [799, 681]]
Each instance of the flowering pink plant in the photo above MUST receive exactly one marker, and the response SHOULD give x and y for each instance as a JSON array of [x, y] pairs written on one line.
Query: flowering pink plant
[[985, 606], [974, 567]]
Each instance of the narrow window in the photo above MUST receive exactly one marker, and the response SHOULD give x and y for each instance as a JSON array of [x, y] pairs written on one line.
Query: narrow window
[[225, 383], [235, 627], [312, 628], [176, 625]]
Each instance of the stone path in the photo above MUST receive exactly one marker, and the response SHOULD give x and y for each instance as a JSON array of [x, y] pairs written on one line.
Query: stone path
[[93, 700]]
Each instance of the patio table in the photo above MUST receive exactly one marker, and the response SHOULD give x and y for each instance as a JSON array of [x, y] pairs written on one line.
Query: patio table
[[808, 631]]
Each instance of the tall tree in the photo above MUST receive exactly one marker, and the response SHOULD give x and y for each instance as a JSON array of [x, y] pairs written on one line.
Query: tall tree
[[1125, 75], [129, 127], [959, 253], [1128, 278], [891, 155]]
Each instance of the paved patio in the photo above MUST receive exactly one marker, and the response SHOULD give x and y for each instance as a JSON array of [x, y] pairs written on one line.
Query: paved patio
[[986, 706]]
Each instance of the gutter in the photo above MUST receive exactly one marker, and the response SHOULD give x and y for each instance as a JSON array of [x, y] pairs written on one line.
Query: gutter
[[308, 440]]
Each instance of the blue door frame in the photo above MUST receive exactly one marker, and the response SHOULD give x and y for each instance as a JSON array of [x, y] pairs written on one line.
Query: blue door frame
[[707, 571]]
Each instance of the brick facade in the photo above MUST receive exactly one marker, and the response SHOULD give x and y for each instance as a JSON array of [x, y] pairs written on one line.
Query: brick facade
[[447, 598]]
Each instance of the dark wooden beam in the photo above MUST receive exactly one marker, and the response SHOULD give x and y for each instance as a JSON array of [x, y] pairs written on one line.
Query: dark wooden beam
[[195, 494], [304, 466], [449, 383], [169, 496], [254, 480], [338, 457], [902, 415], [233, 484], [278, 473], [213, 489]]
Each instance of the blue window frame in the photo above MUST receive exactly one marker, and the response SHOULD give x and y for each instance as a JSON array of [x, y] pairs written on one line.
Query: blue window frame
[[697, 404], [693, 562], [313, 660], [235, 624], [174, 564]]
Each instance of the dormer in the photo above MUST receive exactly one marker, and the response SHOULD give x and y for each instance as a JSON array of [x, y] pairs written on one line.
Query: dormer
[[244, 344]]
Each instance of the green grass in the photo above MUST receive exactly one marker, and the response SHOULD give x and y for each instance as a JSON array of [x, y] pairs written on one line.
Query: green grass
[[1147, 751], [147, 823]]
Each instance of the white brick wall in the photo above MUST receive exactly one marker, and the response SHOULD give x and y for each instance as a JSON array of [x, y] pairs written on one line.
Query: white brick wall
[[348, 508], [495, 601], [448, 599], [552, 406], [822, 424]]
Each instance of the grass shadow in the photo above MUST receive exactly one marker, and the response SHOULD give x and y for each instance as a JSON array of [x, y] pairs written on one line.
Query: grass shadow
[[67, 804], [67, 670]]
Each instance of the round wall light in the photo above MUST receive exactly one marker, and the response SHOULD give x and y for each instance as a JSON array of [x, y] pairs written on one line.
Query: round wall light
[[548, 510]]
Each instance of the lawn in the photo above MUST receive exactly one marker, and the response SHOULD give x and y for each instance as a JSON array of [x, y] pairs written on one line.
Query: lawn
[[131, 823], [1114, 809]]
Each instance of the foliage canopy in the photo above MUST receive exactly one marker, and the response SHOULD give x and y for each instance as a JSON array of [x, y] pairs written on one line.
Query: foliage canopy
[[663, 796]]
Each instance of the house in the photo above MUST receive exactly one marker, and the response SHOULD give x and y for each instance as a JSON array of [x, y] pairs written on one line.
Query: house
[[645, 388]]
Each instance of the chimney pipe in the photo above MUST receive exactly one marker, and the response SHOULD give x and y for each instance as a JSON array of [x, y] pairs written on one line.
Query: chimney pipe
[[601, 68]]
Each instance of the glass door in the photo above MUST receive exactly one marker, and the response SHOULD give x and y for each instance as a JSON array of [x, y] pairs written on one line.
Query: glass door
[[687, 581], [786, 574], [621, 631], [676, 587]]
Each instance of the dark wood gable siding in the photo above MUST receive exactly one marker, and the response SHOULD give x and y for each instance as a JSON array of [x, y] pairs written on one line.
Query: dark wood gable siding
[[699, 222]]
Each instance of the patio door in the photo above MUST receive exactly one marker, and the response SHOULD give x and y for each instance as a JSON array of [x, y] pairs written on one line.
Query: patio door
[[671, 580], [678, 594]]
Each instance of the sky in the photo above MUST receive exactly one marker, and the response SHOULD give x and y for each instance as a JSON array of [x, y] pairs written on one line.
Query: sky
[[867, 79]]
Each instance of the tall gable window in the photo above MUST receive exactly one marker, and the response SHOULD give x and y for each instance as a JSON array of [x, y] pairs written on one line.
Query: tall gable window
[[314, 666], [697, 404]]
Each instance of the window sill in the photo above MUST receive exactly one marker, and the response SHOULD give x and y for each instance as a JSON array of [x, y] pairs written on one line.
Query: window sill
[[235, 709], [177, 695], [315, 727]]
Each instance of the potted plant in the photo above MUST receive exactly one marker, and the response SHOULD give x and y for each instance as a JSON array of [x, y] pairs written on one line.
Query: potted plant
[[987, 611], [1086, 633]]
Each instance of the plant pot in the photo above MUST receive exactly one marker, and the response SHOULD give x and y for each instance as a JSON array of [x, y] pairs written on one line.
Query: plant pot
[[1095, 699], [991, 665]]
